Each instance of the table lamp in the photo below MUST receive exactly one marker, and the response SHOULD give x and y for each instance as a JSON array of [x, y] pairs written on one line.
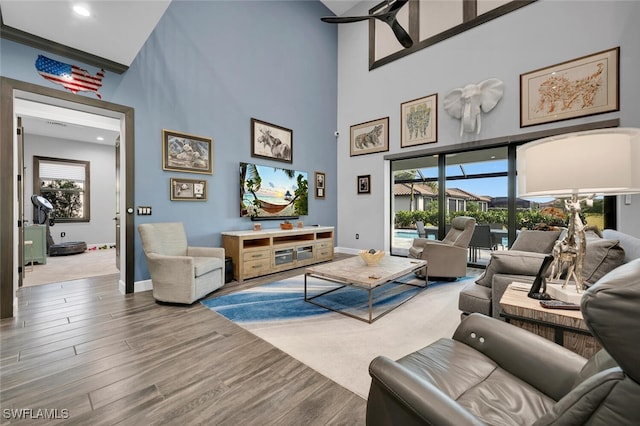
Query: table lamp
[[577, 166]]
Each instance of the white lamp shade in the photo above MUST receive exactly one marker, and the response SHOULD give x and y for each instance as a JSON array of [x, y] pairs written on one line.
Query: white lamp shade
[[603, 161]]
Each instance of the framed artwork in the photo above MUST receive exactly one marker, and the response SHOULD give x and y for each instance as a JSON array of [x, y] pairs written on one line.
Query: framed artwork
[[370, 137], [271, 141], [182, 152], [320, 184], [419, 121], [188, 189], [584, 86], [364, 184]]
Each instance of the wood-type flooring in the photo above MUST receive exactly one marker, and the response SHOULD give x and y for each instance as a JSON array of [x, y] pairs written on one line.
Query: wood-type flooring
[[88, 355]]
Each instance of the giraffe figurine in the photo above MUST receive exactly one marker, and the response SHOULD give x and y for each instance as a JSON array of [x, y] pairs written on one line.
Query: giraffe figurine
[[569, 252]]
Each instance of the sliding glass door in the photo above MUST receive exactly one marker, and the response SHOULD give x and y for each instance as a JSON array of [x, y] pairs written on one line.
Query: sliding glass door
[[476, 185], [429, 191], [414, 202]]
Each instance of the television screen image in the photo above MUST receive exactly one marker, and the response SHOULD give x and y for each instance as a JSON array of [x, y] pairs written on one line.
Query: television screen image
[[268, 192]]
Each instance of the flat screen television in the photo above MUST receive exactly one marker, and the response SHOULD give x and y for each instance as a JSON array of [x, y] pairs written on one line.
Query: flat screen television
[[268, 192]]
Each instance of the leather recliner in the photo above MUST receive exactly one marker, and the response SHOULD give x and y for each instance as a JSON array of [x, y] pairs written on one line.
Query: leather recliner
[[446, 258], [492, 372]]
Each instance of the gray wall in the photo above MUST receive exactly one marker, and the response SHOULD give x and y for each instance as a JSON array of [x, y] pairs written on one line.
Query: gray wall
[[538, 35], [207, 69], [101, 229]]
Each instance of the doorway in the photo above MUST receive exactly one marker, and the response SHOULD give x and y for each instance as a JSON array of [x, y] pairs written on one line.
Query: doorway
[[69, 159], [9, 232]]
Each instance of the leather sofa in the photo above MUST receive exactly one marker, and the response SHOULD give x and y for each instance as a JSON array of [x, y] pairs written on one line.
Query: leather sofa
[[522, 262], [491, 372]]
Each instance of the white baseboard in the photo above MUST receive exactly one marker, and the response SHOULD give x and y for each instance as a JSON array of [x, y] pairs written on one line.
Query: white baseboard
[[346, 250], [138, 286]]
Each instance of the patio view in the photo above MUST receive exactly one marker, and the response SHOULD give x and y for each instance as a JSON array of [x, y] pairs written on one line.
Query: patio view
[[476, 185]]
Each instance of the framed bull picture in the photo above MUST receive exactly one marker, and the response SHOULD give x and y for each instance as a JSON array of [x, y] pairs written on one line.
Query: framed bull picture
[[271, 141], [370, 137]]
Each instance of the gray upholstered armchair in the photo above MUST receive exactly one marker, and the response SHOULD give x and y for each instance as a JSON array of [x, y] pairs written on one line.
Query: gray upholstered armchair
[[492, 372], [179, 273], [446, 258]]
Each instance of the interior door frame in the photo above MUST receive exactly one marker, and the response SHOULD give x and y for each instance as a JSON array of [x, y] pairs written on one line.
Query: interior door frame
[[8, 221]]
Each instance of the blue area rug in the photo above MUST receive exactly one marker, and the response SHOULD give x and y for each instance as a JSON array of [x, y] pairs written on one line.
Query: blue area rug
[[284, 300]]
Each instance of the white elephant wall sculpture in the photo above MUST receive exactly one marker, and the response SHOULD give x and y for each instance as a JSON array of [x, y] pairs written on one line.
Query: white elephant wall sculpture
[[465, 103]]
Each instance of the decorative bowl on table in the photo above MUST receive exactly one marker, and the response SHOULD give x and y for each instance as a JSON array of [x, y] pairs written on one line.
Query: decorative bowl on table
[[286, 225], [371, 257]]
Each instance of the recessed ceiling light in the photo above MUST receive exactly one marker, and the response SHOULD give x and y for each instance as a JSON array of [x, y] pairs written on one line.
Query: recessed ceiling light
[[100, 138], [81, 10]]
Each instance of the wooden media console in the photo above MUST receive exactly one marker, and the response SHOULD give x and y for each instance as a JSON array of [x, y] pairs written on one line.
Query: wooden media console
[[257, 253]]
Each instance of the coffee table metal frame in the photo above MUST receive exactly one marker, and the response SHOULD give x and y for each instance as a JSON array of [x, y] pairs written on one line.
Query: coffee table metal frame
[[368, 278]]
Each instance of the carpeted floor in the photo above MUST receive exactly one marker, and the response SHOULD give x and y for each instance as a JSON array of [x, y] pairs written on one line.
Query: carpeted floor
[[335, 345], [68, 268]]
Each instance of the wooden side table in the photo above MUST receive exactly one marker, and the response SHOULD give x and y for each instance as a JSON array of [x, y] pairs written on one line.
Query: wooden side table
[[565, 327]]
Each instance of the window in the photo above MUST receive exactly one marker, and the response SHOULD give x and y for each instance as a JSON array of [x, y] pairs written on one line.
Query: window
[[65, 183], [429, 22]]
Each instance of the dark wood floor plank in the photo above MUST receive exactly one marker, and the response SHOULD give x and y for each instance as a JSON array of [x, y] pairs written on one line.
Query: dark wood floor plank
[[120, 359]]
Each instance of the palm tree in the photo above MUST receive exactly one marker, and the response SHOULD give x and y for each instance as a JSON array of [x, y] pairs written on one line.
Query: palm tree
[[250, 178]]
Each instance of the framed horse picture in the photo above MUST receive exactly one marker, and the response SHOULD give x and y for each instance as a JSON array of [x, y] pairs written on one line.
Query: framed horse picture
[[370, 137], [271, 141]]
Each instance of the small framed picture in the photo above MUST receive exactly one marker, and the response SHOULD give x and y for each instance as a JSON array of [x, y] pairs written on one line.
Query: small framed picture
[[370, 137], [364, 184], [188, 190], [419, 121], [186, 153], [271, 141], [320, 184]]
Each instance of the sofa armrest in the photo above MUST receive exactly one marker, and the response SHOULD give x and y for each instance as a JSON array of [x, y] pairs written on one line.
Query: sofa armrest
[[399, 396], [499, 286], [206, 252], [550, 368]]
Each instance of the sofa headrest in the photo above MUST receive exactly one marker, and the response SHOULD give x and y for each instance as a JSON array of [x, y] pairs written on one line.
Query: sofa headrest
[[610, 309]]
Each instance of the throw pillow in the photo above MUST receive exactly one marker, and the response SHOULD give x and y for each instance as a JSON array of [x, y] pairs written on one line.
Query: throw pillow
[[536, 241], [601, 257], [510, 262]]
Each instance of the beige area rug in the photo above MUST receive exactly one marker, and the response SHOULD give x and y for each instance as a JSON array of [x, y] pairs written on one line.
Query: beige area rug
[[337, 346], [90, 263]]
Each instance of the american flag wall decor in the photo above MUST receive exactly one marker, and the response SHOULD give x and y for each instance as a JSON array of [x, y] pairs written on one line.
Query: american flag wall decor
[[69, 76]]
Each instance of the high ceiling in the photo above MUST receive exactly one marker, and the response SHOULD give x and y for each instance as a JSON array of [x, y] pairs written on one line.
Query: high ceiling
[[115, 30]]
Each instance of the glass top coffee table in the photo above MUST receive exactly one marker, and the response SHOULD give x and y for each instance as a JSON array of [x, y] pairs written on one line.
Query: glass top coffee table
[[345, 281]]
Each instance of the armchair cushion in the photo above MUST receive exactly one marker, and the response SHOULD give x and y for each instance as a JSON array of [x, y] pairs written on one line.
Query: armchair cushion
[[511, 262], [204, 265], [536, 241], [601, 257]]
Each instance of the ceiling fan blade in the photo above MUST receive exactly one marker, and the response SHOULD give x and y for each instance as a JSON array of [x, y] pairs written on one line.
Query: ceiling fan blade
[[387, 16], [403, 37], [344, 19]]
